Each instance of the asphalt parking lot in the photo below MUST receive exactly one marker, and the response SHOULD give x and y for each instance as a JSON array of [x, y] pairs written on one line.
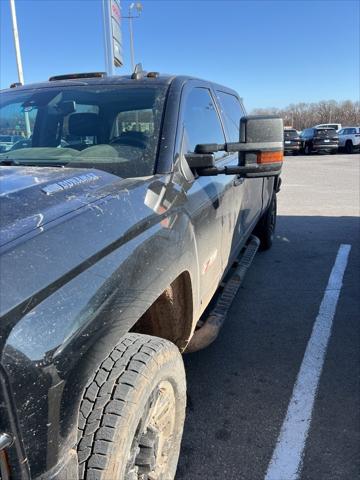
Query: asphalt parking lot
[[240, 388]]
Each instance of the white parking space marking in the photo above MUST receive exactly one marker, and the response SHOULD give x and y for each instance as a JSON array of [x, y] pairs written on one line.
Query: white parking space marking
[[287, 457]]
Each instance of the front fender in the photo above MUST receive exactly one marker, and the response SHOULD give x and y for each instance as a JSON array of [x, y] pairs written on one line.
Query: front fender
[[53, 350]]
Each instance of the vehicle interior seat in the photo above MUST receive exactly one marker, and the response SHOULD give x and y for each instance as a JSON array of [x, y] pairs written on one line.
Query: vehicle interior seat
[[83, 125]]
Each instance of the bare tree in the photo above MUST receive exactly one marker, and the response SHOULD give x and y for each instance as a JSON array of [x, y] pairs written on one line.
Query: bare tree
[[303, 115]]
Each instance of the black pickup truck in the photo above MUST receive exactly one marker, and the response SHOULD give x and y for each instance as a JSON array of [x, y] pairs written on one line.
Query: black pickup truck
[[120, 218]]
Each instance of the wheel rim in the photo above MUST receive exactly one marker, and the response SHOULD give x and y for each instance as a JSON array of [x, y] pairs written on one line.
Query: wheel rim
[[153, 440]]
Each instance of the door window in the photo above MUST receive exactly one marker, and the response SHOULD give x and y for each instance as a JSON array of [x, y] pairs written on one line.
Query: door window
[[201, 123]]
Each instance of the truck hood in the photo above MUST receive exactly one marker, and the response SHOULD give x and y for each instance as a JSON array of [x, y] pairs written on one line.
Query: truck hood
[[30, 197]]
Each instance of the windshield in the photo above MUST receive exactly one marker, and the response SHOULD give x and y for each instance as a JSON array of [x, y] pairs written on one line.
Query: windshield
[[115, 128]]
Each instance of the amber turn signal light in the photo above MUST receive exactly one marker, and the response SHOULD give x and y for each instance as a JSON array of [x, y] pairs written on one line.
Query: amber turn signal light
[[270, 157]]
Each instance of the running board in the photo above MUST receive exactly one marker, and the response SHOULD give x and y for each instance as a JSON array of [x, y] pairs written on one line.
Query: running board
[[210, 327]]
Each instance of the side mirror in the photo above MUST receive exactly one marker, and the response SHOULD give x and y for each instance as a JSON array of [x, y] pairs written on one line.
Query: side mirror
[[260, 148]]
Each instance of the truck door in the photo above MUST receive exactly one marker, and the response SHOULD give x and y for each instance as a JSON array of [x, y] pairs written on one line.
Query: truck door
[[205, 203], [247, 193]]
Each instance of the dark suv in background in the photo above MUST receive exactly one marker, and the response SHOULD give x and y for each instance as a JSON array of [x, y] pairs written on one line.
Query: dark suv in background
[[292, 141], [319, 140]]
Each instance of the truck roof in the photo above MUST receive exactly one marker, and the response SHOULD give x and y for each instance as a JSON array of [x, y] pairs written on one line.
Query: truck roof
[[151, 78]]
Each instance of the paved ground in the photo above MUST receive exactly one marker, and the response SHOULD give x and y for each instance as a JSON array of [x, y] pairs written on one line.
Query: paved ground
[[240, 387]]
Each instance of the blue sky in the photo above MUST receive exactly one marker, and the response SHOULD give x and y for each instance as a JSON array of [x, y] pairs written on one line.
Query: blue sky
[[272, 52]]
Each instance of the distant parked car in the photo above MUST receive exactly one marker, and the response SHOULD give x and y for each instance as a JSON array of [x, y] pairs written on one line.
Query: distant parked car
[[336, 126], [349, 139], [292, 141], [319, 140], [7, 141]]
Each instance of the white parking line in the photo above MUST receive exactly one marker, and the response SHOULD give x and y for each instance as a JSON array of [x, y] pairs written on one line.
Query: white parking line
[[287, 457]]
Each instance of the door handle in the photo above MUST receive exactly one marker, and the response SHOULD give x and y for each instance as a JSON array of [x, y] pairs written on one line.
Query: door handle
[[238, 180]]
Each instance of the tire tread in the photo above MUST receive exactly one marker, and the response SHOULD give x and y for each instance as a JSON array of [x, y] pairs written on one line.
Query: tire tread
[[105, 398]]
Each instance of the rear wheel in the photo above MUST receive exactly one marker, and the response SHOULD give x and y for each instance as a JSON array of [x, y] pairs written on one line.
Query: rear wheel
[[265, 229], [132, 415], [349, 148]]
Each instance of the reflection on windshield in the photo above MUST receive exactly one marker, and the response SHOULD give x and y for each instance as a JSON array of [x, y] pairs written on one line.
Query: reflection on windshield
[[115, 128]]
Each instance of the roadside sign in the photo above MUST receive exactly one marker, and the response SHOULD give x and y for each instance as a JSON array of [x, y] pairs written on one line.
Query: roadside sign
[[115, 16]]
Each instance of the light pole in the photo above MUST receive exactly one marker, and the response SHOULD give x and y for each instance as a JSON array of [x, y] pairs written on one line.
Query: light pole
[[109, 54], [139, 8], [18, 58]]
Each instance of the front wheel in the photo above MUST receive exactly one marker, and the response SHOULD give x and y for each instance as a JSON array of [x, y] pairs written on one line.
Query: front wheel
[[132, 414], [265, 229], [349, 148]]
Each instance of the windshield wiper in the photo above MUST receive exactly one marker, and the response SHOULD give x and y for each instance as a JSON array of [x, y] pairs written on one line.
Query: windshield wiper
[[30, 163], [9, 162]]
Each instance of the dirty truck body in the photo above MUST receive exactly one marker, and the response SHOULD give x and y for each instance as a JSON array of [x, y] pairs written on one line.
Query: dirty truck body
[[90, 253]]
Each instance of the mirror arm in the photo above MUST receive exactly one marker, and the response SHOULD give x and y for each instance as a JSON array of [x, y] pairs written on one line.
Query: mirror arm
[[271, 169], [233, 147]]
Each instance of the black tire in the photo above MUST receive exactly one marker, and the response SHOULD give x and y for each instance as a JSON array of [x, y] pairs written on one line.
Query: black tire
[[349, 148], [120, 435], [265, 229]]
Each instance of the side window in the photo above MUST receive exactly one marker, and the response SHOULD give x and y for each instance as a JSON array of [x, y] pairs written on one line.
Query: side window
[[352, 131], [201, 122], [231, 112]]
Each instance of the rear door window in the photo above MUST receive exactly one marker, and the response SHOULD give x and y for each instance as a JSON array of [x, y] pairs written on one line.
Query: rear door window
[[135, 120], [231, 111]]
